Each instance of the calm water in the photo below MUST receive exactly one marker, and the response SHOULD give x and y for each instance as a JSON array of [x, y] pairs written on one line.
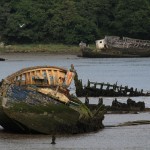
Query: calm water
[[134, 72]]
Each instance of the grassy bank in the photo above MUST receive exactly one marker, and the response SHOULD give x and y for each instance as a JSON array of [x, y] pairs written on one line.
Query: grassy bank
[[49, 48]]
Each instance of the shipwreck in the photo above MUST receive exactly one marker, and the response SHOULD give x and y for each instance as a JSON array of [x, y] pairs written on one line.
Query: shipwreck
[[117, 47], [37, 100], [96, 89]]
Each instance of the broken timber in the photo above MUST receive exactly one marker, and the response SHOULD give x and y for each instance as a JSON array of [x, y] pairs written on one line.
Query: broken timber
[[94, 89]]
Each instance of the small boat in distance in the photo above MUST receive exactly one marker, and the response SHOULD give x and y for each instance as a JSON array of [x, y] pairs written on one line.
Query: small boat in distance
[[2, 59], [117, 47]]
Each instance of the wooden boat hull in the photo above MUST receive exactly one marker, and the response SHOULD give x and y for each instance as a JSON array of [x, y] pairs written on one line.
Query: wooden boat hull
[[49, 118], [117, 47], [43, 107], [115, 53]]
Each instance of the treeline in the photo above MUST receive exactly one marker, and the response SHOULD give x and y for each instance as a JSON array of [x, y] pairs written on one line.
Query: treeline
[[70, 21]]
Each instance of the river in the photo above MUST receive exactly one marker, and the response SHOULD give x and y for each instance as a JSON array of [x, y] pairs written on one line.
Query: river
[[134, 72]]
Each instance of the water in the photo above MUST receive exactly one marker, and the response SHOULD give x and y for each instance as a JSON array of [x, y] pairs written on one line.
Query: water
[[134, 72]]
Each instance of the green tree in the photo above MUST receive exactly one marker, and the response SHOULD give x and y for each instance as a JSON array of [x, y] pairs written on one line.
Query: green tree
[[25, 23], [104, 12], [100, 13], [66, 25], [5, 8], [70, 21], [132, 18]]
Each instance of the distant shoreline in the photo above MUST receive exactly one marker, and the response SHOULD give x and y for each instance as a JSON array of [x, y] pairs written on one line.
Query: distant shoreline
[[21, 55], [40, 48], [40, 52], [36, 56]]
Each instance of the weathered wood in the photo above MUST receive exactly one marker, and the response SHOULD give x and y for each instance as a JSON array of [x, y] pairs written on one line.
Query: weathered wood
[[44, 107], [96, 89], [40, 75], [125, 42]]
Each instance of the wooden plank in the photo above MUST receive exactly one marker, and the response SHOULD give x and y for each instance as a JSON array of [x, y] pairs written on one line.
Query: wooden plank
[[53, 75], [20, 81], [41, 73], [26, 78], [47, 74], [30, 77]]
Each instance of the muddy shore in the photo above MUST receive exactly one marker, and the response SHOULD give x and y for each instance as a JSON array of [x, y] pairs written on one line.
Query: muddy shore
[[35, 56]]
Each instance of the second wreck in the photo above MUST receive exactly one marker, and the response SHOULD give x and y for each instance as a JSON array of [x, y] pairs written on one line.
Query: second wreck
[[117, 47], [95, 89], [37, 100]]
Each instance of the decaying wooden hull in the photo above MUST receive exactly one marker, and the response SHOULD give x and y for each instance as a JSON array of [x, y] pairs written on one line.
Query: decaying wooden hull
[[117, 47], [115, 53], [95, 89], [36, 100]]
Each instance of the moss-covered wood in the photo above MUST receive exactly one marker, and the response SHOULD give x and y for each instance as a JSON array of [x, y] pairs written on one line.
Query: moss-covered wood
[[30, 107]]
